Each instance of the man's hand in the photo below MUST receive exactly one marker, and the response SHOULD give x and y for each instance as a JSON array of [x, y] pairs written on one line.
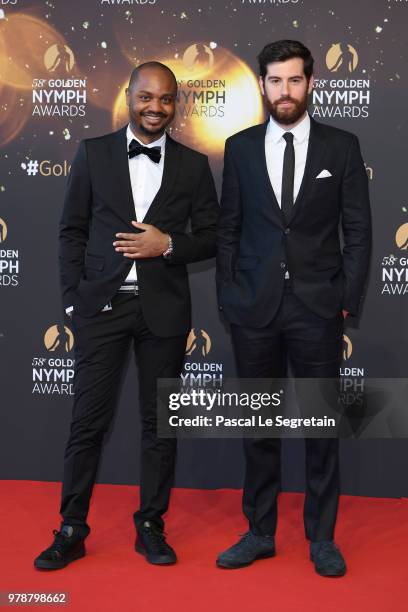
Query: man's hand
[[345, 313], [149, 243]]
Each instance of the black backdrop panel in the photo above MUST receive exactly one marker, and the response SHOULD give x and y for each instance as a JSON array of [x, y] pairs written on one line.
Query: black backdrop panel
[[63, 69]]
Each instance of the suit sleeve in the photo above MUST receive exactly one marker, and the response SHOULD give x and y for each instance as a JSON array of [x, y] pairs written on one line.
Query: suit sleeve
[[199, 243], [356, 226], [74, 226], [229, 225]]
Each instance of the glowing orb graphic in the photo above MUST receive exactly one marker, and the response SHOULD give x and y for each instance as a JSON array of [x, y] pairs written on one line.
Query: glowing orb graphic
[[14, 115], [23, 42], [218, 96]]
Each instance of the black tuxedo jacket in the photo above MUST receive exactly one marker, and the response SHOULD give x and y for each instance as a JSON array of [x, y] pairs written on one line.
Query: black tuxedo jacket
[[99, 203], [255, 247]]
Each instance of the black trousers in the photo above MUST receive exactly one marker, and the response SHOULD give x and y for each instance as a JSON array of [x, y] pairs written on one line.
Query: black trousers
[[313, 347], [102, 346]]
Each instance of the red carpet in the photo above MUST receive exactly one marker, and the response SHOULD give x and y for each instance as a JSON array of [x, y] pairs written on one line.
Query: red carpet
[[372, 533]]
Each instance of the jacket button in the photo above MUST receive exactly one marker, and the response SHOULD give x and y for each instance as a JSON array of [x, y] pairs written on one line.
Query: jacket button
[[287, 231], [283, 265], [220, 308]]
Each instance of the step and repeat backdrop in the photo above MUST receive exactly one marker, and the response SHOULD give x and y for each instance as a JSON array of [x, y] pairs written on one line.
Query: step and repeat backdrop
[[64, 67]]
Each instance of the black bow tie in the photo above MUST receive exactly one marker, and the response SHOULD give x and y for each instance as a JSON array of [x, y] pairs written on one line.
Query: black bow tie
[[137, 149]]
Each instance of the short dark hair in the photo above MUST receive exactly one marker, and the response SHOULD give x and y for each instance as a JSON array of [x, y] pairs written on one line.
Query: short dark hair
[[282, 50], [136, 71]]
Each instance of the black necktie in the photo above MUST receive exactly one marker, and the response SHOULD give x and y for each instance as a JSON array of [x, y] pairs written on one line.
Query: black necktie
[[136, 148], [288, 176]]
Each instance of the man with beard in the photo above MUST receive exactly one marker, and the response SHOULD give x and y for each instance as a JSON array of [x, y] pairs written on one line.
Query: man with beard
[[124, 250], [285, 284]]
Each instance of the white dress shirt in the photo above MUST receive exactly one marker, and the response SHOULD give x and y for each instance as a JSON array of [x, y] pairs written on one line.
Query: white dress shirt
[[145, 178], [275, 149]]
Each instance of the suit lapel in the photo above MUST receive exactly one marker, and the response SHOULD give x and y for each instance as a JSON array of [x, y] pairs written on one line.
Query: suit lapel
[[119, 163], [315, 152], [171, 165]]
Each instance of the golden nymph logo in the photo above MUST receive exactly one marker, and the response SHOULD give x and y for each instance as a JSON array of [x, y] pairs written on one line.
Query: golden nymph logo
[[347, 348], [62, 94], [341, 58], [199, 57], [3, 231], [198, 342], [53, 374], [345, 94], [59, 338], [394, 267], [401, 237], [59, 59], [9, 260], [347, 352], [197, 369], [352, 381]]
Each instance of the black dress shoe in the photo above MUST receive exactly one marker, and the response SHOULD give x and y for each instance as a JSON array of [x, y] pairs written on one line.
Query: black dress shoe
[[67, 546], [151, 543], [327, 558], [247, 550]]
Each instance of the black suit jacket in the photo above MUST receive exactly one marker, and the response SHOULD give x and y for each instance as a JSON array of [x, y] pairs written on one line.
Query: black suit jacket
[[255, 247], [99, 203]]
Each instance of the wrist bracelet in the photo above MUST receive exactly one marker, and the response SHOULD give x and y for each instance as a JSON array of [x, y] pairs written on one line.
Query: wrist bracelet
[[169, 249]]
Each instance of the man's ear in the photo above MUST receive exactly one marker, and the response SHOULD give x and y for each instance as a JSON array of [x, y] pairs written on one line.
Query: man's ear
[[127, 92], [310, 87], [261, 85]]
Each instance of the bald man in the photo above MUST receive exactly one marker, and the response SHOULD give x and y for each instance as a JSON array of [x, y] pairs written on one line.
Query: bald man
[[123, 256]]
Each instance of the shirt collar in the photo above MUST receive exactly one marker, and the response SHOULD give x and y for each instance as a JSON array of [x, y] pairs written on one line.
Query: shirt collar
[[160, 142], [300, 132]]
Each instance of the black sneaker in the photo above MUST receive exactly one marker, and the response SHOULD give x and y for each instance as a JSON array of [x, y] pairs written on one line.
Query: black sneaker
[[247, 550], [327, 558], [151, 543], [67, 546]]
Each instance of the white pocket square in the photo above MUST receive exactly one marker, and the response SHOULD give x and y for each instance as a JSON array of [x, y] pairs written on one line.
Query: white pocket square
[[324, 174]]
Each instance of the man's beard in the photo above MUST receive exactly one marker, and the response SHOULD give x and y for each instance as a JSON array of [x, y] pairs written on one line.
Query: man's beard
[[286, 115], [152, 130]]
